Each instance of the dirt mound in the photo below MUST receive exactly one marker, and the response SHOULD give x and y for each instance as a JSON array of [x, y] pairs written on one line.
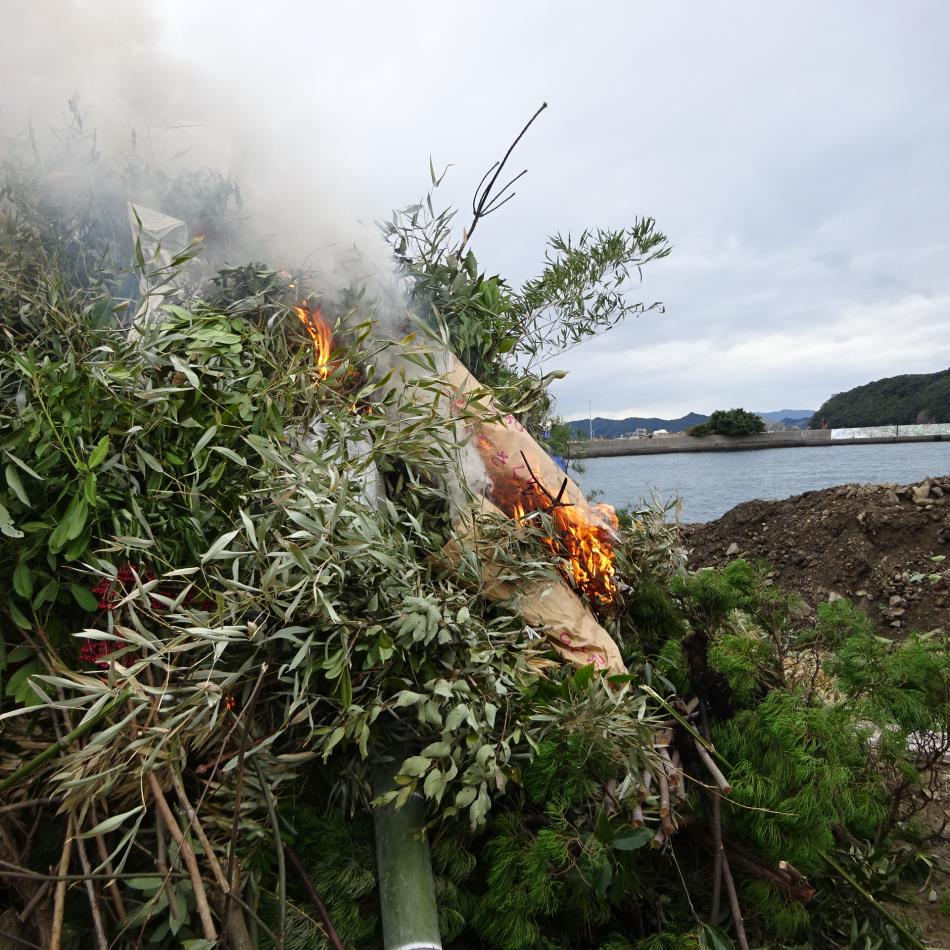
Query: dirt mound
[[885, 547]]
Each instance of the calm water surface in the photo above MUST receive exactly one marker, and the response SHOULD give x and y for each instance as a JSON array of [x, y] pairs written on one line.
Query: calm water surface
[[710, 483]]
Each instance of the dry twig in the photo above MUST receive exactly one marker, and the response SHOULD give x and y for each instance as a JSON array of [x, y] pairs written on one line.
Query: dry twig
[[188, 855]]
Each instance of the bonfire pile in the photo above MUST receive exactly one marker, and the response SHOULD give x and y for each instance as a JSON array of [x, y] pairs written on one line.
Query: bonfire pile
[[255, 552]]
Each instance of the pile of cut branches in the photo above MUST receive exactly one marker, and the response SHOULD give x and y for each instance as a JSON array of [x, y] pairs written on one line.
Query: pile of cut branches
[[223, 600]]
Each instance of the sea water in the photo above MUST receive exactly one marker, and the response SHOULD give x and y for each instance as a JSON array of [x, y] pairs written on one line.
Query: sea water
[[708, 484]]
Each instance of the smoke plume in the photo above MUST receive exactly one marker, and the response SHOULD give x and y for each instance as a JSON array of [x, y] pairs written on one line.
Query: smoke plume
[[110, 66]]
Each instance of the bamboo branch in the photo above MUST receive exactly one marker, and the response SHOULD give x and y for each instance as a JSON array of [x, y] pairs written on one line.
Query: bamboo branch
[[734, 904], [717, 858], [28, 768], [877, 905], [97, 925], [188, 855], [106, 863], [714, 771], [59, 895], [235, 927]]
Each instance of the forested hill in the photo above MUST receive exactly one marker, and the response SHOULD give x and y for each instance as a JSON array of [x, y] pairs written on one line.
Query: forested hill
[[897, 400], [614, 428]]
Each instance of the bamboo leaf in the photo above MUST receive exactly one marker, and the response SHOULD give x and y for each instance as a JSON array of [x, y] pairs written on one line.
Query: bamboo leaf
[[219, 545], [111, 823]]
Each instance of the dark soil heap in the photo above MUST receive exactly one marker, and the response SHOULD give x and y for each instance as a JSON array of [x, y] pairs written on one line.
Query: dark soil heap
[[881, 546]]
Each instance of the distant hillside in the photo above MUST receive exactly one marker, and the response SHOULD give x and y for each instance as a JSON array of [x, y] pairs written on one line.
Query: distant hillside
[[786, 415], [897, 400], [615, 428]]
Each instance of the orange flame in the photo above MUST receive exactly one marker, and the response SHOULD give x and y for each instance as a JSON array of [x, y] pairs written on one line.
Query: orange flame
[[321, 335], [585, 547]]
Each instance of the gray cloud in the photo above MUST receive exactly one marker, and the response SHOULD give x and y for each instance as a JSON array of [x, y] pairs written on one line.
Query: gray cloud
[[796, 156]]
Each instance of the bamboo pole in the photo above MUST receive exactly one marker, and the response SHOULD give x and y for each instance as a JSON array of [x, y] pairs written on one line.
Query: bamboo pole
[[404, 869]]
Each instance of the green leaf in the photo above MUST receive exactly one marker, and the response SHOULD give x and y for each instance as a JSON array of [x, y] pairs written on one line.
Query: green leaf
[[456, 717], [632, 839], [23, 580], [19, 618], [7, 526], [230, 454], [204, 440], [345, 687], [414, 766], [84, 597], [71, 524], [712, 938], [146, 883], [99, 453], [16, 486], [436, 750], [112, 822], [219, 545], [583, 677]]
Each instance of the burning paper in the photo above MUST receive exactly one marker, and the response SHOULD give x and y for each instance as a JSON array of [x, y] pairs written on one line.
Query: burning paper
[[550, 607], [516, 477]]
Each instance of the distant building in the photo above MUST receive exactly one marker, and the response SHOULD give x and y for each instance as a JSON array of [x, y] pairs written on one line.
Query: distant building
[[661, 433]]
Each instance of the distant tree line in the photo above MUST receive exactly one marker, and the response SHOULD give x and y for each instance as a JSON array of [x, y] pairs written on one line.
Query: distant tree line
[[897, 400], [730, 422]]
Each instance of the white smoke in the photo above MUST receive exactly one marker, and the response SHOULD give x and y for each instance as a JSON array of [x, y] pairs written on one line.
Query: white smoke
[[110, 63]]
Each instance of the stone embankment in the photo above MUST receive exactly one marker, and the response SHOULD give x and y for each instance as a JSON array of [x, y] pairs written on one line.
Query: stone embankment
[[793, 438]]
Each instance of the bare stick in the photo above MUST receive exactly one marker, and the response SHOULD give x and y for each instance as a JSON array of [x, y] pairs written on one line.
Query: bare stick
[[717, 857], [38, 895], [664, 794], [714, 771], [59, 895], [188, 855], [234, 924], [28, 803], [111, 886], [193, 822], [679, 783], [734, 904], [101, 940], [481, 205], [314, 897]]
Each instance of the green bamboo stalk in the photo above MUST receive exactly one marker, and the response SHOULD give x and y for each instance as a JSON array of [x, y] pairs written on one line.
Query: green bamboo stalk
[[877, 905], [28, 768], [404, 869]]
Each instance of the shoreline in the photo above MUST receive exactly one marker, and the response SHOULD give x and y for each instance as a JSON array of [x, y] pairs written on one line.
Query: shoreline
[[802, 438]]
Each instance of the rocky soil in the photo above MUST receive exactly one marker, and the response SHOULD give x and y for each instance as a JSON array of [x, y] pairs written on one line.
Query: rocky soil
[[885, 547]]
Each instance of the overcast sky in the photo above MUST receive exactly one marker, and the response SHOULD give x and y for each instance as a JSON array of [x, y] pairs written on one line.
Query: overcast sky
[[796, 154]]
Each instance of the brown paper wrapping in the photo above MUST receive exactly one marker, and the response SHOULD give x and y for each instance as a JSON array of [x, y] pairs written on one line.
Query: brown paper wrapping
[[549, 607], [501, 444]]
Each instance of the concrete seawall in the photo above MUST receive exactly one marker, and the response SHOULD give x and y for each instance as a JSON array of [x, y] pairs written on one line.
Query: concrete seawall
[[599, 448]]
